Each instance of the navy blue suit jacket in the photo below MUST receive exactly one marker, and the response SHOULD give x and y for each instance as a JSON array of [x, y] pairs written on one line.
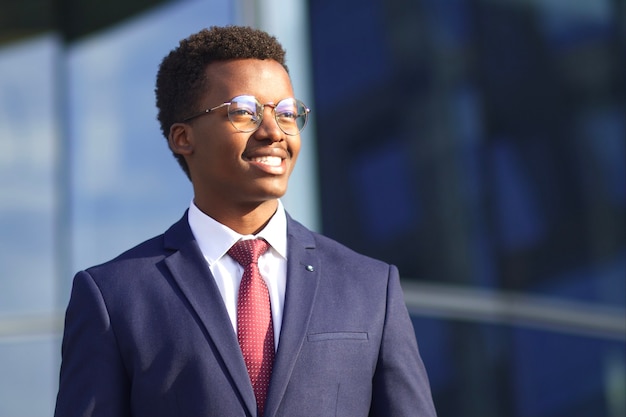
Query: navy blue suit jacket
[[147, 335]]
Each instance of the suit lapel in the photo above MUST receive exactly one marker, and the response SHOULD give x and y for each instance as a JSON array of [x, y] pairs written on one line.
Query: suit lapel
[[303, 272], [189, 270]]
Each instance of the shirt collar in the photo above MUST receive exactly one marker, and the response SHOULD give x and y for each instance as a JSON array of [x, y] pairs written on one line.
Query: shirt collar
[[214, 238]]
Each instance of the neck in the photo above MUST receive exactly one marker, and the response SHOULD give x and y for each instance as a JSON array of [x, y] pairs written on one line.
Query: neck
[[245, 220]]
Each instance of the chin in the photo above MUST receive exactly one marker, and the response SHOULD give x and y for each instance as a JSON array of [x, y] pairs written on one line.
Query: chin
[[274, 190], [276, 194]]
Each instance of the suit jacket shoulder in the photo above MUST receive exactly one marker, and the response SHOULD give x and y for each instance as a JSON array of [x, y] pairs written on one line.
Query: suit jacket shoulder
[[132, 264], [334, 252]]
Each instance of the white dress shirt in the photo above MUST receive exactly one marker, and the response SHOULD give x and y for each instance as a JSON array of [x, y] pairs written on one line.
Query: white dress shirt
[[215, 240]]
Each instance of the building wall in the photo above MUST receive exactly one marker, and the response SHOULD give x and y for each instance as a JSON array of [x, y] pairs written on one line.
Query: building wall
[[480, 146]]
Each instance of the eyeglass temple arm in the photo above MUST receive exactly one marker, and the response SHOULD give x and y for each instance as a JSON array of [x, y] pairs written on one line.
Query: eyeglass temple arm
[[203, 112]]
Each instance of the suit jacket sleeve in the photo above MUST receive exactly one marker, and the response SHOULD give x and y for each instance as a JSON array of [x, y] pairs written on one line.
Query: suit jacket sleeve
[[93, 379], [400, 384]]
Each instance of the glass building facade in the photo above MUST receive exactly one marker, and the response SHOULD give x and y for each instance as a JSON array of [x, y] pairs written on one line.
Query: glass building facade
[[478, 145], [481, 147]]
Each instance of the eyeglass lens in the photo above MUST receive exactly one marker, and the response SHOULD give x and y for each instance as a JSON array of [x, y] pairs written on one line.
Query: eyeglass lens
[[246, 114]]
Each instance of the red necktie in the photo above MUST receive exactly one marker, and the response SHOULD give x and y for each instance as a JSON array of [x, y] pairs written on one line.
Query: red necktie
[[255, 330]]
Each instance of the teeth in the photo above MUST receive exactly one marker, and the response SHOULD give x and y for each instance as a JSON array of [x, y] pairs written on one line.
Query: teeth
[[268, 160]]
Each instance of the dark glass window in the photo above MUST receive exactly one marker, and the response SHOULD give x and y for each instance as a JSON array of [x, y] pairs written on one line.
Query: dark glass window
[[482, 145]]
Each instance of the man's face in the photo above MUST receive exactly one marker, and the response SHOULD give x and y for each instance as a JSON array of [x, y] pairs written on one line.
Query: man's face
[[231, 169]]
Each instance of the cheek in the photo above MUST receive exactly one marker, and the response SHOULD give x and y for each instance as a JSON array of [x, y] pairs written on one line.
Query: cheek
[[294, 147], [223, 151], [213, 161]]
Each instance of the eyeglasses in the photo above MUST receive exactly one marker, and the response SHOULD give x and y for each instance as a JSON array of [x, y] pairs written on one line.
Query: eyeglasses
[[246, 114]]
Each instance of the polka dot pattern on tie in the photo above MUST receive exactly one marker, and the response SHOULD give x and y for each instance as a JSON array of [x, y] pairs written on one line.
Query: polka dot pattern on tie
[[255, 330]]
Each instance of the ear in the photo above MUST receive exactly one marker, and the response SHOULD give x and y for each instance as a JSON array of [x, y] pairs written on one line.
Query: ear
[[180, 139]]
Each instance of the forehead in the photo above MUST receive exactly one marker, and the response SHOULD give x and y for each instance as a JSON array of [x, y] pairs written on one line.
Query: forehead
[[266, 79]]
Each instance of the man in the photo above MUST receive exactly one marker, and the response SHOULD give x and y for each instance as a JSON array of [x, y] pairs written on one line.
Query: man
[[166, 329]]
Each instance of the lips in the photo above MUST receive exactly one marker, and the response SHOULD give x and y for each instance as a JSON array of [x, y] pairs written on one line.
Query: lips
[[268, 160], [272, 161]]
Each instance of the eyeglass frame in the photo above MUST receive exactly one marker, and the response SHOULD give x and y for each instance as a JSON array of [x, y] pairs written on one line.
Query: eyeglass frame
[[270, 104]]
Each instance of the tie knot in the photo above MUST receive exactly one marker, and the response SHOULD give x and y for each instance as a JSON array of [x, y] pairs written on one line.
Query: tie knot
[[247, 252]]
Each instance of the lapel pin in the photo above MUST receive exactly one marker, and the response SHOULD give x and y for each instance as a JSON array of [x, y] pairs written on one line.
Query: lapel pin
[[310, 268]]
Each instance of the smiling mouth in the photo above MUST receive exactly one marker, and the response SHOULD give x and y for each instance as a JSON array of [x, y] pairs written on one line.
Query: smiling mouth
[[273, 161]]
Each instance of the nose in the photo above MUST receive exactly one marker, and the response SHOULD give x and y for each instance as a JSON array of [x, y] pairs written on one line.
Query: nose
[[269, 129]]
